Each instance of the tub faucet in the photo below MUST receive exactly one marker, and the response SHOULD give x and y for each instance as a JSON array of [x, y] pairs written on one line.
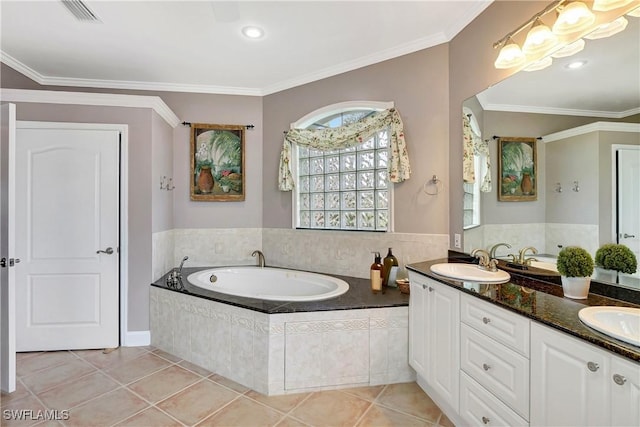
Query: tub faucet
[[523, 260], [181, 264], [260, 257], [492, 252]]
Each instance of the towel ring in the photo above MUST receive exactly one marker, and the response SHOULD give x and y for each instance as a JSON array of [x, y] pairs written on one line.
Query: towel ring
[[433, 186]]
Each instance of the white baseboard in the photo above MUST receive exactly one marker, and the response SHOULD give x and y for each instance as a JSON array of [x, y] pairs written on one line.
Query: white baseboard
[[137, 339]]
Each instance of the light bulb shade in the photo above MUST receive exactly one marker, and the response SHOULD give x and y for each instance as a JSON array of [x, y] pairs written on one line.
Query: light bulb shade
[[607, 5], [635, 12], [539, 39], [574, 17], [570, 49], [539, 65], [607, 30], [510, 55]]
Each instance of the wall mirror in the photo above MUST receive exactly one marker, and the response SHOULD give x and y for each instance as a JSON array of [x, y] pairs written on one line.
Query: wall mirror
[[582, 113]]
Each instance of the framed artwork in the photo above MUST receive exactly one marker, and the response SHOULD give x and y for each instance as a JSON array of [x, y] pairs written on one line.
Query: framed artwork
[[217, 162], [517, 169]]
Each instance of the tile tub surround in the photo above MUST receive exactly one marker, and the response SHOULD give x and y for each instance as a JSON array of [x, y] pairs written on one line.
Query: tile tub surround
[[353, 340], [541, 301], [123, 389]]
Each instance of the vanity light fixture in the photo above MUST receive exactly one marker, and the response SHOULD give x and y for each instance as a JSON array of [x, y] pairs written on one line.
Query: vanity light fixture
[[573, 20], [510, 55], [540, 39], [608, 29], [573, 17], [253, 32], [607, 5]]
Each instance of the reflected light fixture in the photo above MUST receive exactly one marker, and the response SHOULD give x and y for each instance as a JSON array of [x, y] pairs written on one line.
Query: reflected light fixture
[[576, 64], [540, 39], [510, 55], [573, 17], [570, 49], [540, 65], [607, 5], [635, 12], [608, 29], [253, 32]]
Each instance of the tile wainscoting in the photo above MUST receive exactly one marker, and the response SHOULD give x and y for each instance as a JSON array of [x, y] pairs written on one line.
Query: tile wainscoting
[[543, 236], [332, 252], [284, 353]]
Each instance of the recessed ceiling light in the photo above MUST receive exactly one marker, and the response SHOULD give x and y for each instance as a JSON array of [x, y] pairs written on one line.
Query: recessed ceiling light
[[253, 32], [576, 64]]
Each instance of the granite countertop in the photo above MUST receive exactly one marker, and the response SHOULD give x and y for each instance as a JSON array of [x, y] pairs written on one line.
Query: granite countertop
[[541, 301], [359, 296]]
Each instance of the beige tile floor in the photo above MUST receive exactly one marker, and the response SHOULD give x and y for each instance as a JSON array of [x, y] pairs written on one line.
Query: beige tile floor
[[147, 387]]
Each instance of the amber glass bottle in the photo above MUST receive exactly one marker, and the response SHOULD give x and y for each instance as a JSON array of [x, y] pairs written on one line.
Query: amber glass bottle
[[376, 274]]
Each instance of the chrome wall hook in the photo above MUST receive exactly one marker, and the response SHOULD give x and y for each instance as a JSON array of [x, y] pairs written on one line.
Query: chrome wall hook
[[576, 187]]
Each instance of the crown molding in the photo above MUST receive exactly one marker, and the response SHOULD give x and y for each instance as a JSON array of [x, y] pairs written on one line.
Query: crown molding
[[558, 111], [97, 99], [592, 127]]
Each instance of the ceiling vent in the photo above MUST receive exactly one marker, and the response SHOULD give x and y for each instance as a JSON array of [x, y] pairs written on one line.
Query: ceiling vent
[[80, 10]]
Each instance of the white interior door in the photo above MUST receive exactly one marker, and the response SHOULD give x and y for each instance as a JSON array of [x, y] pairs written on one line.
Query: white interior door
[[67, 186], [7, 250], [629, 199]]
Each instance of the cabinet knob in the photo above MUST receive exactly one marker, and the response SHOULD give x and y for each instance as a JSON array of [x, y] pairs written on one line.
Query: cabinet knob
[[486, 320], [485, 420], [593, 366], [619, 379], [486, 367]]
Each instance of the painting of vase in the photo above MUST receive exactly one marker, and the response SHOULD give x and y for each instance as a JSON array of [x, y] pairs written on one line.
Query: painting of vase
[[517, 168]]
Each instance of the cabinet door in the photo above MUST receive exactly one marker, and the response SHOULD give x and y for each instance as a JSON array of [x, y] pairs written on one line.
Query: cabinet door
[[418, 324], [444, 341], [569, 380], [625, 392]]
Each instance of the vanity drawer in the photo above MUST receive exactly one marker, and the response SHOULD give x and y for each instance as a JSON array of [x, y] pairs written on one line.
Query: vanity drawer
[[480, 408], [505, 327], [497, 368]]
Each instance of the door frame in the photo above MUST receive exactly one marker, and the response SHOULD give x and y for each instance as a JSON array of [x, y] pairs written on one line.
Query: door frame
[[614, 186], [123, 221]]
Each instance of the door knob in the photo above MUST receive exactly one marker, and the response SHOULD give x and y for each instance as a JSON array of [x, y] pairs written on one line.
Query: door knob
[[107, 251], [628, 236], [9, 262]]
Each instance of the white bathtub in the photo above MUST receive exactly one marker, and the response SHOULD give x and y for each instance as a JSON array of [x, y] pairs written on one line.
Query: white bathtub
[[274, 284]]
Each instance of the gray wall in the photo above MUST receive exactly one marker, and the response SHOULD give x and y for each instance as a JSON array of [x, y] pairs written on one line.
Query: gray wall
[[418, 84], [162, 165]]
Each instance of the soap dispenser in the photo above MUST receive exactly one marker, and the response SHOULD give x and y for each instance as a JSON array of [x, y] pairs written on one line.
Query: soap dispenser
[[376, 274], [390, 270]]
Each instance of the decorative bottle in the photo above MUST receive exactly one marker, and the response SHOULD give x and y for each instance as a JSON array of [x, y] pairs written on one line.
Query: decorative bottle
[[526, 185], [390, 270], [376, 274]]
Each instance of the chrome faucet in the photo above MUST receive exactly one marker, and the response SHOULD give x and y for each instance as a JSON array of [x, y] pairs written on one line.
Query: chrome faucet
[[522, 259], [181, 264], [260, 257], [176, 273], [492, 252]]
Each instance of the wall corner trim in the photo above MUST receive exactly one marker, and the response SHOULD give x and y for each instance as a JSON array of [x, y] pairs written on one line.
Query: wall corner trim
[[137, 339], [97, 99]]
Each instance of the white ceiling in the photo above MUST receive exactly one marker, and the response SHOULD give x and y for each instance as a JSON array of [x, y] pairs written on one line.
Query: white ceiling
[[607, 86], [197, 46]]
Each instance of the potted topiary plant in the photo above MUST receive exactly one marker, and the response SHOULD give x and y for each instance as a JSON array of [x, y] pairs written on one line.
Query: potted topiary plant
[[575, 266], [615, 258]]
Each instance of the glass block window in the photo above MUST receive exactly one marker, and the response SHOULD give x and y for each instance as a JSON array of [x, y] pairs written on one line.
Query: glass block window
[[346, 189]]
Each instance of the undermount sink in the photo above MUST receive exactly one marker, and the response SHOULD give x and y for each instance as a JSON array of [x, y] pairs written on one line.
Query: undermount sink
[[622, 323], [470, 273]]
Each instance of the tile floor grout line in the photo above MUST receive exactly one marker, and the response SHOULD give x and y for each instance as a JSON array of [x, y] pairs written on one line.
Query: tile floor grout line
[[361, 417], [66, 382], [387, 406], [169, 415], [217, 411]]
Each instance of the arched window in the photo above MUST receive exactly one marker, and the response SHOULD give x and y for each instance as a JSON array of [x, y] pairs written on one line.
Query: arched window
[[343, 189]]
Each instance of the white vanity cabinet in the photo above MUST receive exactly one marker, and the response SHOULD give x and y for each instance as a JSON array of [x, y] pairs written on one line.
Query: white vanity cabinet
[[576, 383], [434, 338], [494, 362]]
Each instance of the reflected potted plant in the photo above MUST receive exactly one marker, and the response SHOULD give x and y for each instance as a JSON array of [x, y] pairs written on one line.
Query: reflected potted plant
[[575, 266], [614, 258]]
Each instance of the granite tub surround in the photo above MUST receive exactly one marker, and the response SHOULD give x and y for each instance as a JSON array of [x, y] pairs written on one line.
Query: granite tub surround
[[541, 301], [276, 347]]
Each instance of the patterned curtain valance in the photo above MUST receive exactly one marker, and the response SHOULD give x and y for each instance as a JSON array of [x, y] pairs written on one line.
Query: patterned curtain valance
[[348, 136]]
